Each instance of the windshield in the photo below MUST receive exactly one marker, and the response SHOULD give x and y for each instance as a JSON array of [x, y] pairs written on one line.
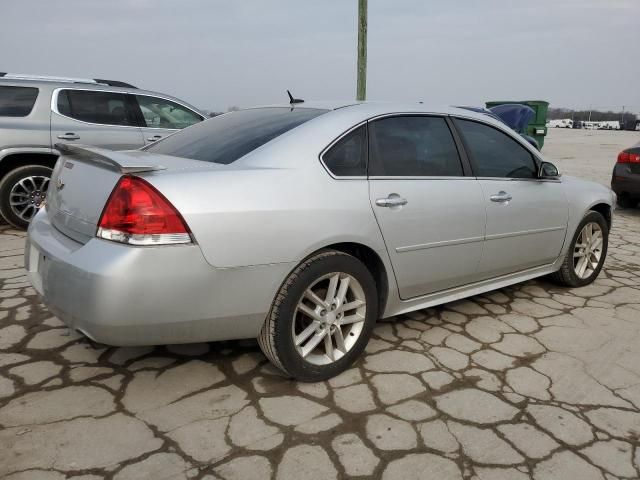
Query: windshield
[[226, 138]]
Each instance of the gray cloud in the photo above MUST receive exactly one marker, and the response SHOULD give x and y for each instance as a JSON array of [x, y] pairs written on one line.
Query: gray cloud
[[216, 53]]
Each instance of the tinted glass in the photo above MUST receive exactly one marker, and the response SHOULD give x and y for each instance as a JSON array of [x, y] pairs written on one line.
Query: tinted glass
[[105, 108], [17, 101], [494, 153], [226, 138], [413, 146], [160, 113], [348, 157]]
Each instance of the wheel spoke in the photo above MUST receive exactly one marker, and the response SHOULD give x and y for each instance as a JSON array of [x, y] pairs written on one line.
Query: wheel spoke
[[328, 346], [578, 254], [350, 306], [306, 333], [331, 290], [355, 318], [340, 340], [313, 343], [596, 243], [583, 266], [308, 312], [310, 294], [342, 291]]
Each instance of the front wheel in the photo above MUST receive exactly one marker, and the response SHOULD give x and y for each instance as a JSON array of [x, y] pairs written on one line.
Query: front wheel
[[586, 254], [322, 317], [22, 192]]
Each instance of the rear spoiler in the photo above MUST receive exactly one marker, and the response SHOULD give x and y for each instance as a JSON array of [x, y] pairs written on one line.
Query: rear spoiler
[[119, 161]]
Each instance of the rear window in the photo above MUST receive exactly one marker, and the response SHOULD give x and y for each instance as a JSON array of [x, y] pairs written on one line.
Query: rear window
[[226, 138], [17, 101]]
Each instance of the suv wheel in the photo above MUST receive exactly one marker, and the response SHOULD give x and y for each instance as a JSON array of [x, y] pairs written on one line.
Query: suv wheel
[[22, 192], [322, 317]]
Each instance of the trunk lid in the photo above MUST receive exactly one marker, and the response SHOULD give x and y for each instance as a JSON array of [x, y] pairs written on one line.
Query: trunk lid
[[84, 178]]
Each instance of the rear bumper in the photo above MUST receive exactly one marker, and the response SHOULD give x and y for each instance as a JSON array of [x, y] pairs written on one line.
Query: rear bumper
[[123, 295], [624, 182]]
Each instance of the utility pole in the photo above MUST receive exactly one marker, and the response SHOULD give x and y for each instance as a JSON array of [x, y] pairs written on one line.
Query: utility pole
[[361, 93]]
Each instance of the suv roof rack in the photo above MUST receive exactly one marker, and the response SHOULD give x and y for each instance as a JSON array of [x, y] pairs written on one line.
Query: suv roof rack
[[47, 78]]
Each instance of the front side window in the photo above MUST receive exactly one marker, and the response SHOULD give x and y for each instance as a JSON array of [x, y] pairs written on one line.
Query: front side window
[[494, 153], [226, 138], [348, 157], [160, 113], [105, 108], [17, 101], [412, 146]]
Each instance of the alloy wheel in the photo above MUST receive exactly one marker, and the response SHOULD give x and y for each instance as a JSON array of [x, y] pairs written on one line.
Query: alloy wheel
[[587, 250], [329, 318], [27, 195]]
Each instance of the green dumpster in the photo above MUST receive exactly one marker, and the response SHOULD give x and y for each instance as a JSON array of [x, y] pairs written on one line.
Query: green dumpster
[[537, 126]]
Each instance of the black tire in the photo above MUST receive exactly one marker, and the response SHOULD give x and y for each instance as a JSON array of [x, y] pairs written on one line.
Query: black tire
[[626, 201], [567, 276], [276, 337], [12, 178]]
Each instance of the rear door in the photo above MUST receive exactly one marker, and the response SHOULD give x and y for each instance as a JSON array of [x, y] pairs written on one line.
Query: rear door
[[431, 215], [161, 117], [94, 117], [526, 216]]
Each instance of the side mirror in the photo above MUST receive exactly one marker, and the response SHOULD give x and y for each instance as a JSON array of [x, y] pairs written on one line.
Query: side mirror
[[548, 170]]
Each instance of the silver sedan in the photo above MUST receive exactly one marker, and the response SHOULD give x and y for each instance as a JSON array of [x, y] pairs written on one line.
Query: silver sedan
[[304, 224]]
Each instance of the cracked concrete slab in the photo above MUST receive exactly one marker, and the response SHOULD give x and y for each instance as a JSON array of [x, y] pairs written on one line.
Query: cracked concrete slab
[[530, 381]]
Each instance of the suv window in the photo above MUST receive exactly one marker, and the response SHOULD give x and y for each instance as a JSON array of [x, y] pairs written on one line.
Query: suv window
[[494, 153], [17, 101], [348, 157], [160, 113], [226, 138], [106, 108], [413, 146]]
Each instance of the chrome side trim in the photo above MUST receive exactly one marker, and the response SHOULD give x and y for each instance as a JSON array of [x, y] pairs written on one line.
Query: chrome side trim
[[417, 177], [523, 232], [444, 243]]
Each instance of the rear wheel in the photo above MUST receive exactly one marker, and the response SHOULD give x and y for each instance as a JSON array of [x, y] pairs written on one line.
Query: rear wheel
[[322, 317], [22, 192], [586, 253]]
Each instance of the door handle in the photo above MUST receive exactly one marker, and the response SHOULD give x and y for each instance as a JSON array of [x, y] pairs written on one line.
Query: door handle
[[393, 200], [500, 197], [154, 138], [69, 136]]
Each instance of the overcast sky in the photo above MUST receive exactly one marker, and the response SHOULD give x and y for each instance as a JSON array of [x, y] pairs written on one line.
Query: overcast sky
[[215, 54]]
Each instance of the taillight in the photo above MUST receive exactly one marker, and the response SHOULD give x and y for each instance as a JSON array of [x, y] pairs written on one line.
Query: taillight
[[138, 214], [628, 157]]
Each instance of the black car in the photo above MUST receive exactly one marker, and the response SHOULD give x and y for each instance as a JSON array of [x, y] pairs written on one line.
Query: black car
[[625, 180]]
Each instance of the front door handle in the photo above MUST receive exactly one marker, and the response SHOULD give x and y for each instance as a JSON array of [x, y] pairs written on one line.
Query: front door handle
[[154, 138], [500, 197], [393, 200], [69, 136]]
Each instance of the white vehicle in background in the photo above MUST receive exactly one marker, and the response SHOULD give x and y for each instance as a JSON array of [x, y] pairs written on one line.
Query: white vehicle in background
[[610, 125], [591, 125], [563, 123]]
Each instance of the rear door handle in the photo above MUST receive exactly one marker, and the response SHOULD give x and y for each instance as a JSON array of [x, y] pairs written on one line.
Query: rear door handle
[[393, 200], [500, 197], [154, 138], [69, 136]]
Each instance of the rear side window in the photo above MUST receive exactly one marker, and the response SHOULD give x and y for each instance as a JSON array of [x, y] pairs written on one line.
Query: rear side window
[[105, 108], [413, 146], [226, 138], [494, 153], [17, 101], [161, 113], [348, 157]]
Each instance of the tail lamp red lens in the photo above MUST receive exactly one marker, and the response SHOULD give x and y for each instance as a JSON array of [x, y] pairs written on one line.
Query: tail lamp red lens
[[628, 157], [137, 213]]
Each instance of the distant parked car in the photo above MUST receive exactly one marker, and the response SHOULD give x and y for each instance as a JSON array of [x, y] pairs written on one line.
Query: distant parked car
[[302, 225], [563, 123], [625, 180], [37, 112]]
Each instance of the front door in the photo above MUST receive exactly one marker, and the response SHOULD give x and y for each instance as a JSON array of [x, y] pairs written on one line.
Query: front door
[[94, 117], [526, 216], [431, 216]]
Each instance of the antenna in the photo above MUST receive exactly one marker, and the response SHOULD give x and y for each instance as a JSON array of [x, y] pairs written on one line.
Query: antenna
[[294, 100]]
